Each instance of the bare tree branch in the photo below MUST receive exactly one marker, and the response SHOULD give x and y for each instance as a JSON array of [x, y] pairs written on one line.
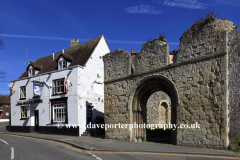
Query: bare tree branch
[[3, 74], [1, 44], [1, 41]]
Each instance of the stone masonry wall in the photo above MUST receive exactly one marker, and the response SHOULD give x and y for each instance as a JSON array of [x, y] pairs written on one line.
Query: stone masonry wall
[[156, 114], [200, 41], [113, 68], [154, 54], [234, 82], [200, 77], [197, 103]]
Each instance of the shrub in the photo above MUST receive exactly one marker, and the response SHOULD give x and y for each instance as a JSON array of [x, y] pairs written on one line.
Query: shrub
[[206, 18], [162, 36]]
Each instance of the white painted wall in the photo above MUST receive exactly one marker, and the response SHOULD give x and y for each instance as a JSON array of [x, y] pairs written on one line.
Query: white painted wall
[[44, 108], [90, 84]]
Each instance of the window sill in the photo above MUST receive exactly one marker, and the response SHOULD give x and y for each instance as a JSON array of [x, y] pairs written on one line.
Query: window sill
[[23, 118], [58, 94], [59, 122]]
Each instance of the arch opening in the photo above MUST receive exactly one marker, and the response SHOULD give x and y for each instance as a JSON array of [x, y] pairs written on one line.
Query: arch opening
[[145, 114]]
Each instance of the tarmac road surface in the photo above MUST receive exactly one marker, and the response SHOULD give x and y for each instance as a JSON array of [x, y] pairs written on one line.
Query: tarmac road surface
[[20, 148], [26, 148]]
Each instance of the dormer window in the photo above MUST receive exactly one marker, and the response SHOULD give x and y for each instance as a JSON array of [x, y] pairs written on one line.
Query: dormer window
[[62, 64], [31, 71], [63, 61]]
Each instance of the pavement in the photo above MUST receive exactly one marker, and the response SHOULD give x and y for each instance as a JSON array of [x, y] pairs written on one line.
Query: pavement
[[101, 144]]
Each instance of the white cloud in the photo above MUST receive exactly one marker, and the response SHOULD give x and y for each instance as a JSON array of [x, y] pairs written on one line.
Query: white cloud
[[190, 4], [141, 9], [60, 38], [33, 37], [125, 42], [68, 39]]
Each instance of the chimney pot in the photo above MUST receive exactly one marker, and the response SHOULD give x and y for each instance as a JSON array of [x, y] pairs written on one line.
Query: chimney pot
[[53, 55], [74, 42], [63, 50]]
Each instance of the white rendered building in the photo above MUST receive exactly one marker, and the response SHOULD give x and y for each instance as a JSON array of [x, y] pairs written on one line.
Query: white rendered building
[[63, 88]]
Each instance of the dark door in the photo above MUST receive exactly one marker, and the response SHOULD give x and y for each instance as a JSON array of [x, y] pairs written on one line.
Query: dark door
[[36, 120], [89, 114]]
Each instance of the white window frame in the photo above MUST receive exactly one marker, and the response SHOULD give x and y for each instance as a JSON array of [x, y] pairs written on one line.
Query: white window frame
[[62, 64], [58, 88], [24, 112], [59, 112], [7, 113], [7, 105], [23, 92], [31, 72]]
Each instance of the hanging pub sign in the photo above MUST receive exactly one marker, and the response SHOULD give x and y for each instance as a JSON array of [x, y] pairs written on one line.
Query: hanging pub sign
[[37, 89]]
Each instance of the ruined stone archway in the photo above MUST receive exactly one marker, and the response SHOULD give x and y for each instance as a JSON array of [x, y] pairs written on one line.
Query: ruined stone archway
[[158, 107], [202, 84], [166, 113], [142, 94]]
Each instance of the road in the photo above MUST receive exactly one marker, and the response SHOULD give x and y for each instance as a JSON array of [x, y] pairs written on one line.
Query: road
[[20, 148], [26, 148]]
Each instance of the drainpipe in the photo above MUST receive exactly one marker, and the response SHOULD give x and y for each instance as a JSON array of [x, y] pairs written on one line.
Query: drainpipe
[[50, 86]]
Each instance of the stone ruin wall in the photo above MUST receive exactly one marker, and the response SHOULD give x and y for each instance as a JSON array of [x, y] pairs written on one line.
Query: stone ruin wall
[[200, 76], [234, 82], [154, 54], [156, 113]]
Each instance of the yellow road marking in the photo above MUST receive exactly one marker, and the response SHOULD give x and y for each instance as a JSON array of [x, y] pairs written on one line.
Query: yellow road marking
[[113, 152]]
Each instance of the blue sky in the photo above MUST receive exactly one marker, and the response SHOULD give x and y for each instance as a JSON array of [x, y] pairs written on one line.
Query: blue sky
[[48, 25]]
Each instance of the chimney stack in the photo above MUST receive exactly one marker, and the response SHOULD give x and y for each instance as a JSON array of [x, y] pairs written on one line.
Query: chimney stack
[[74, 42]]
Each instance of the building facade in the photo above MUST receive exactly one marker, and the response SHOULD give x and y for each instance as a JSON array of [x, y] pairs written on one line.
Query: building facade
[[61, 89], [5, 107]]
